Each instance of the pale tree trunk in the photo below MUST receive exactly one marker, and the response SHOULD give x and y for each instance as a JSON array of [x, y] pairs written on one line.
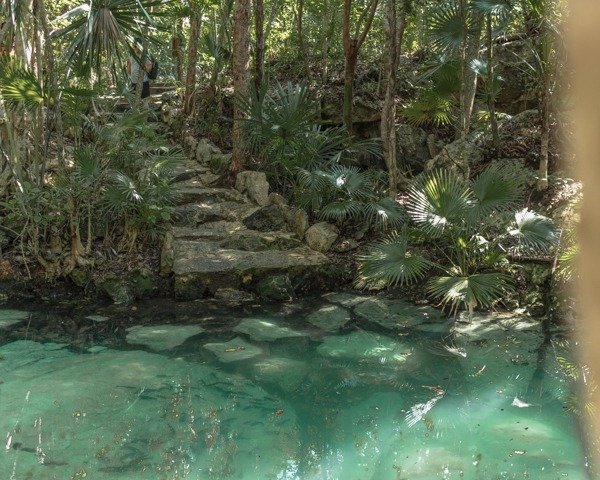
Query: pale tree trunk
[[259, 50], [395, 25], [352, 43], [491, 95], [241, 57], [192, 60], [542, 183], [301, 44], [325, 43], [177, 50]]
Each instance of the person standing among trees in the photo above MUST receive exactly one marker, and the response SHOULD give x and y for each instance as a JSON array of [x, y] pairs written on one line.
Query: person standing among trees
[[133, 69]]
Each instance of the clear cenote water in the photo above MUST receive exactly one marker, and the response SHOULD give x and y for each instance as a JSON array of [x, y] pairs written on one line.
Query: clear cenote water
[[342, 387]]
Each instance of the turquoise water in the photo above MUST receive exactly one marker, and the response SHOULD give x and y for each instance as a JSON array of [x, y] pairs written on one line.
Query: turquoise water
[[341, 387]]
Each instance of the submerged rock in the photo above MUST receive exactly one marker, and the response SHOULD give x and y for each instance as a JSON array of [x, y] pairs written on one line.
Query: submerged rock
[[395, 313], [12, 317], [283, 372], [234, 350], [364, 346], [265, 329], [329, 318], [162, 337]]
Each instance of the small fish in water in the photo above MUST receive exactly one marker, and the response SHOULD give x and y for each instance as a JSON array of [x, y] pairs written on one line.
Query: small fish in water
[[234, 349], [517, 402]]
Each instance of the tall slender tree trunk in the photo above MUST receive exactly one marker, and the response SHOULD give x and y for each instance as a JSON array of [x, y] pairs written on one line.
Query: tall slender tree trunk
[[545, 133], [259, 50], [301, 42], [325, 44], [491, 94], [177, 50], [192, 61], [241, 57], [352, 43], [395, 25]]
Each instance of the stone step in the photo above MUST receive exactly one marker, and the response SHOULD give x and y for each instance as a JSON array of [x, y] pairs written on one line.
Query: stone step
[[233, 235], [188, 171], [194, 214], [194, 191], [202, 266]]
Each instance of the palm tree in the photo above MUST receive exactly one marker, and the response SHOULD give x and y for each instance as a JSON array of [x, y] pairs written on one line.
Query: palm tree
[[471, 226]]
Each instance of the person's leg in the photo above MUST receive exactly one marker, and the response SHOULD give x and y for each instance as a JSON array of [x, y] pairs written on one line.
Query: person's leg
[[146, 90]]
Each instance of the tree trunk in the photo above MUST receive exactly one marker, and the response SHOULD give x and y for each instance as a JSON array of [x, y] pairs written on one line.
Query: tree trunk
[[192, 60], [325, 44], [545, 133], [259, 50], [395, 31], [352, 44], [301, 44], [241, 56], [177, 50], [491, 94]]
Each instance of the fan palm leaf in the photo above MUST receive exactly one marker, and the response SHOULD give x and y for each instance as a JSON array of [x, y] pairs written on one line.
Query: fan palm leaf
[[497, 189], [534, 231], [479, 289], [438, 199], [392, 262], [384, 213], [19, 85]]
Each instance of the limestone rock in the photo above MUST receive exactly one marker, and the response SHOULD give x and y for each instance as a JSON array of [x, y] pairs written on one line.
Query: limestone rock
[[458, 156], [97, 318], [300, 223], [321, 236], [395, 313], [412, 144], [329, 318], [282, 372], [345, 245], [266, 219], [255, 185], [265, 330], [161, 337], [275, 287], [10, 317], [116, 288], [203, 151], [234, 350], [230, 295]]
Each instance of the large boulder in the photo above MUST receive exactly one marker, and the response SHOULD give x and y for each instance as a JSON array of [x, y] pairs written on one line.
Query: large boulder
[[266, 219], [321, 236], [458, 156], [255, 185], [300, 223], [517, 92], [412, 144]]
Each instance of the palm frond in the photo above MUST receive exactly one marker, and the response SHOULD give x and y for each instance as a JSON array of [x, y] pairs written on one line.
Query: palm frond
[[391, 262], [342, 210], [480, 289], [438, 199], [385, 213], [446, 27], [429, 107], [534, 231], [19, 85], [497, 189]]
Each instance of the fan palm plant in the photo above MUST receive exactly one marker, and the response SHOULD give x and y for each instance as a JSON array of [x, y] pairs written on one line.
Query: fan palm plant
[[472, 226]]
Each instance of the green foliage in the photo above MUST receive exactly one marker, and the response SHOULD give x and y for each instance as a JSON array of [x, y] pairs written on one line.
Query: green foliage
[[429, 107], [472, 225], [341, 194], [19, 85]]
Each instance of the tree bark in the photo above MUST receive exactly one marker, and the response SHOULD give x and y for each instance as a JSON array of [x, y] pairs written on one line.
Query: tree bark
[[192, 60], [395, 25], [177, 50], [352, 44], [241, 56], [301, 44], [259, 50], [491, 94]]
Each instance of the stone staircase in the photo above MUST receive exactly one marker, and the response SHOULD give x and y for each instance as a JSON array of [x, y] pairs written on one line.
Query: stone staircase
[[229, 244]]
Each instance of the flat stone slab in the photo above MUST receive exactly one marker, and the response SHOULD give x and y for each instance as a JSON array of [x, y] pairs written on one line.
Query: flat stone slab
[[161, 337], [284, 372], [194, 191], [347, 300], [234, 350], [192, 214], [97, 318], [364, 346], [329, 318], [265, 329], [196, 256], [188, 170], [395, 313], [11, 317], [235, 235]]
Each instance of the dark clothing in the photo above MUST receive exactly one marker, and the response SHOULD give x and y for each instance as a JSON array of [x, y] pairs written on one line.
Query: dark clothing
[[145, 89]]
